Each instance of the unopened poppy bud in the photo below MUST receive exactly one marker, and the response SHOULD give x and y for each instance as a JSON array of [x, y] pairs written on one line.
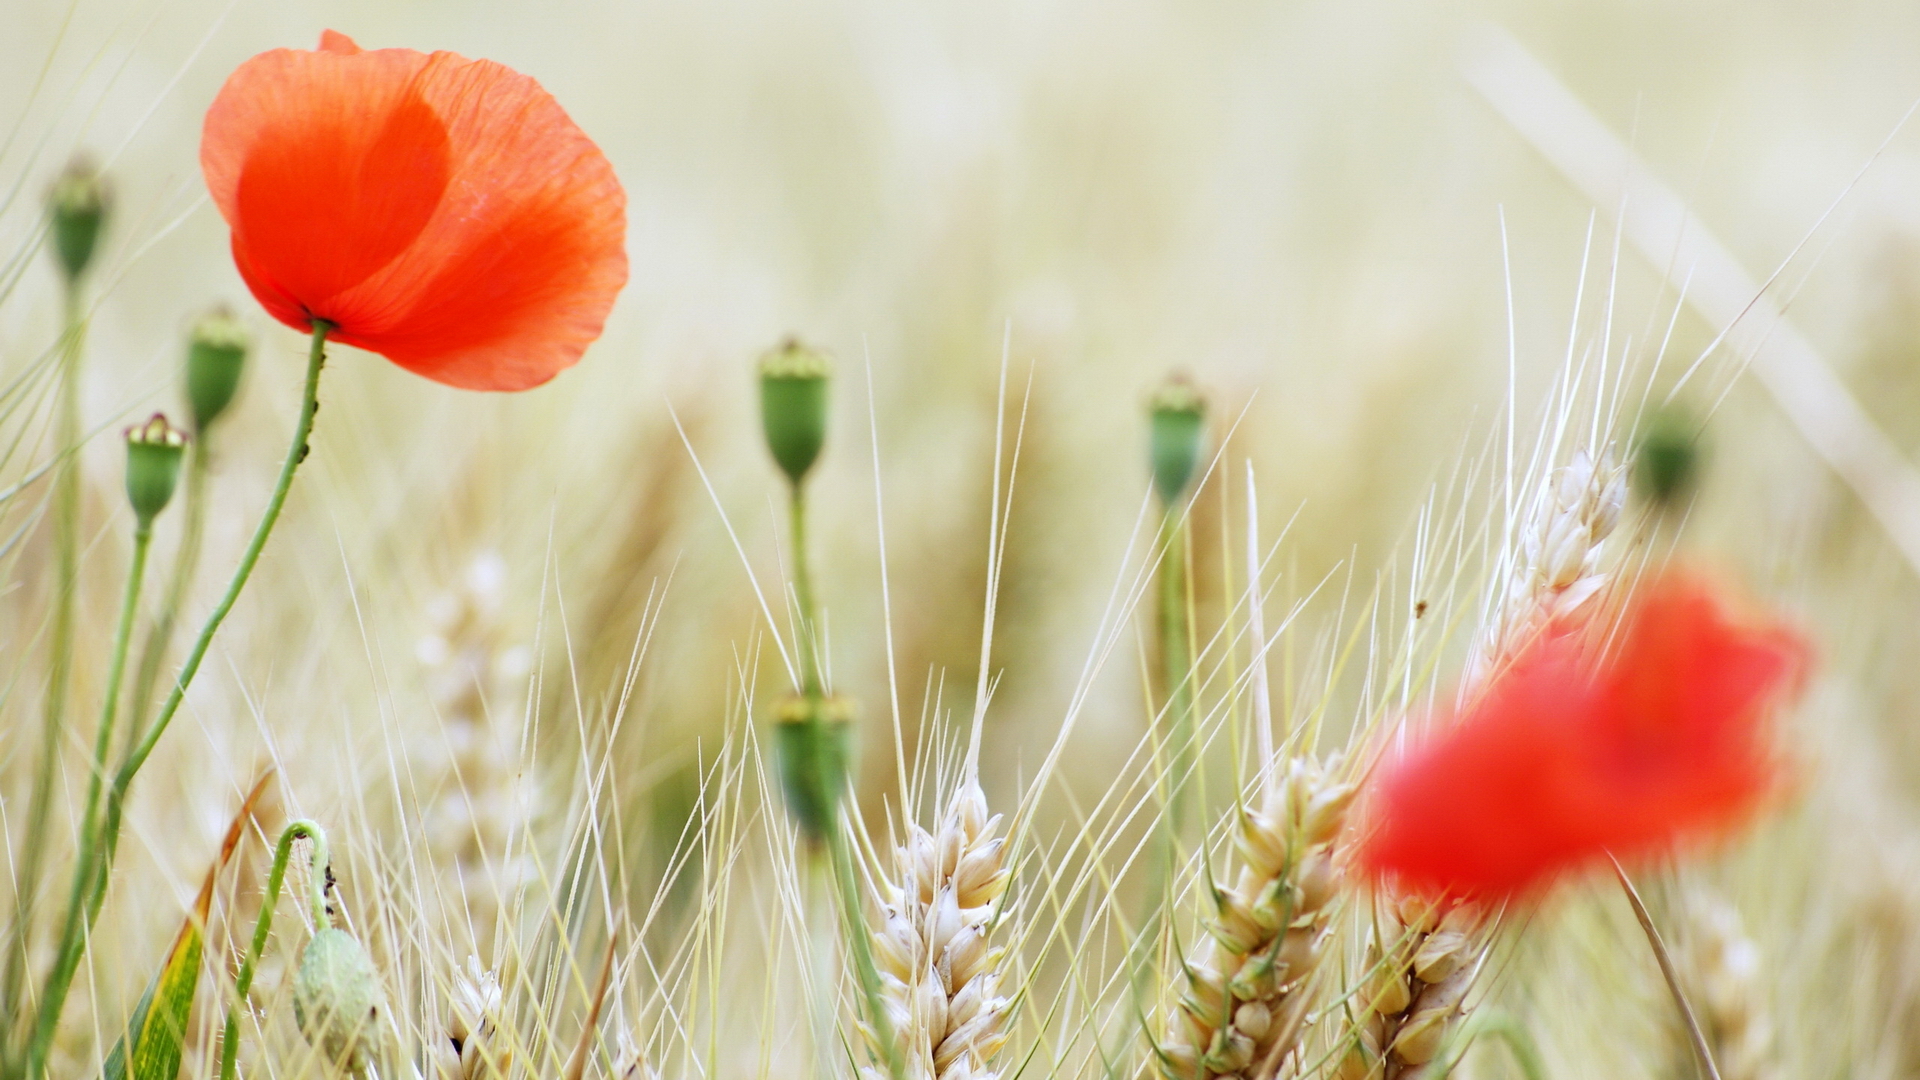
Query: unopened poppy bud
[[338, 1002], [216, 352], [1176, 416], [815, 741], [78, 206], [793, 406], [154, 450], [1668, 458]]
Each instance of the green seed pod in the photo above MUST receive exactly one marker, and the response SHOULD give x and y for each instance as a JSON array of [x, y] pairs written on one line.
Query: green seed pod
[[216, 352], [815, 743], [793, 406], [339, 1004], [154, 450], [78, 206], [1177, 420], [1667, 461]]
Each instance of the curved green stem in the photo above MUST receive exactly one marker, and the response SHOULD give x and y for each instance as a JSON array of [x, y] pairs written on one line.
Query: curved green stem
[[97, 858], [296, 453], [316, 902]]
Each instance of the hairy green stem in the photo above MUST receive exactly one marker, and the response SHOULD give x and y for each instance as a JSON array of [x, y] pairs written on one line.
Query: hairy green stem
[[811, 683], [186, 560], [96, 861], [71, 930], [66, 544], [316, 902], [1176, 656]]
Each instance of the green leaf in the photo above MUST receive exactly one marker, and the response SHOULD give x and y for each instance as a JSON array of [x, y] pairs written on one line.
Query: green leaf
[[158, 1027]]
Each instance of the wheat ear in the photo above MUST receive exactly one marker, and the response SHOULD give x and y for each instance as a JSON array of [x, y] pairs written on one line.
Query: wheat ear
[[476, 828], [939, 972], [1423, 959], [1245, 996], [471, 1047], [1722, 969]]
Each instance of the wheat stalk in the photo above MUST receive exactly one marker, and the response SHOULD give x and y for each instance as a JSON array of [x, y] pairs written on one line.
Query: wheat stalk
[[1422, 958], [1246, 994], [939, 973]]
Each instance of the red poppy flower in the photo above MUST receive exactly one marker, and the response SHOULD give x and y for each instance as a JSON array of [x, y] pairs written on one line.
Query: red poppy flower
[[1563, 759], [442, 212]]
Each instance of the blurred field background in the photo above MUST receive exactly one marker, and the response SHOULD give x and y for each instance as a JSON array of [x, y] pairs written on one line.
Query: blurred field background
[[1297, 204]]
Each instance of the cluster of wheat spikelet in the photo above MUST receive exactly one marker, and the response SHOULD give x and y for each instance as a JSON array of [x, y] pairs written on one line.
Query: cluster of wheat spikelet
[[939, 973], [1422, 959], [1422, 962], [1723, 972], [471, 1047], [1558, 567], [476, 824], [1246, 986]]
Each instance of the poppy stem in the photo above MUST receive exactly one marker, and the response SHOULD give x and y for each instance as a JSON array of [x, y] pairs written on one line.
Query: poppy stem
[[811, 682], [1176, 654], [1699, 1039], [66, 543], [153, 652], [93, 869], [316, 903]]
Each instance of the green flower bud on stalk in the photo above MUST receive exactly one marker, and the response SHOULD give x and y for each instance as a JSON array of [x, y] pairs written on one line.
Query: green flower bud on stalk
[[78, 207], [339, 1004], [1667, 461], [1177, 420], [216, 352], [815, 748], [154, 450], [793, 406]]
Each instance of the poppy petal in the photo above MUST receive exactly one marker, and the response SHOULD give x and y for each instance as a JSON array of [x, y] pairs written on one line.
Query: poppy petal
[[1563, 760], [441, 211], [514, 276], [327, 167]]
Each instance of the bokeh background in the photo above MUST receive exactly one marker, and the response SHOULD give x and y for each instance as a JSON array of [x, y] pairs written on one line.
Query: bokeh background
[[1301, 205]]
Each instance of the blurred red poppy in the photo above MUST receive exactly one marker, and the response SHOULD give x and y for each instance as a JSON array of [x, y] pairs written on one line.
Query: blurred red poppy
[[440, 211], [1563, 759]]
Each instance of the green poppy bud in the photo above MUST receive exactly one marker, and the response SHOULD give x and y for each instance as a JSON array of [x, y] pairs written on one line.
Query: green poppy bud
[[815, 748], [78, 206], [1667, 461], [339, 1004], [793, 406], [216, 352], [1177, 417], [154, 450]]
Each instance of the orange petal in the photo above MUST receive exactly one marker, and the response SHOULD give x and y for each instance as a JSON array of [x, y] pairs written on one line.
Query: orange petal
[[327, 166], [334, 41], [514, 276], [1562, 760], [443, 212]]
